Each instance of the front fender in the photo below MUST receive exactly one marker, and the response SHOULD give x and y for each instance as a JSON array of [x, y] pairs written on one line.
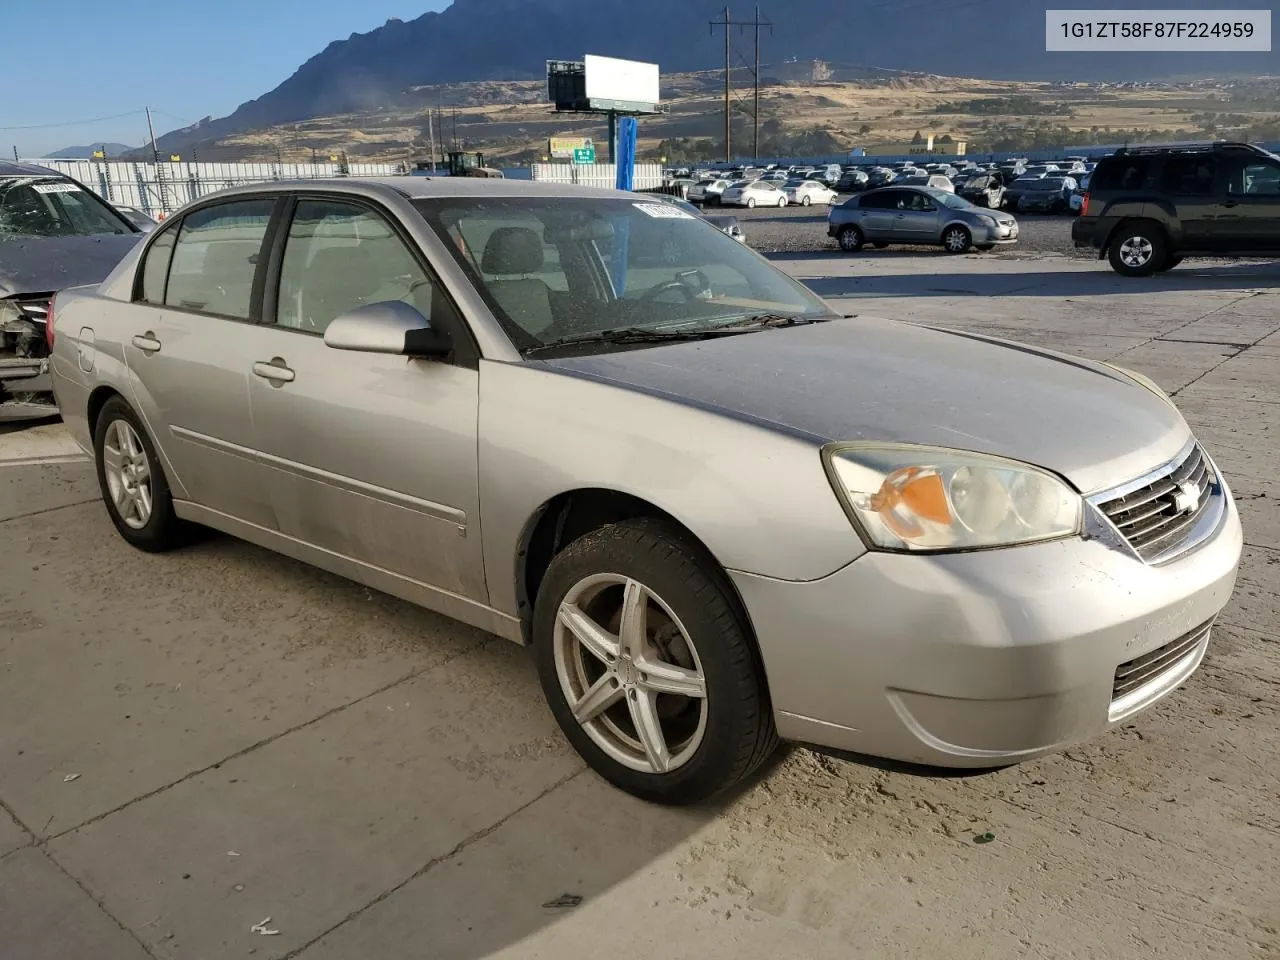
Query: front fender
[[753, 493]]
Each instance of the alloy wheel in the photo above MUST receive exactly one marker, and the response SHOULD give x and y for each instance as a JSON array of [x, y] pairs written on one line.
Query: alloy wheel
[[956, 240], [630, 673], [128, 474], [1136, 251]]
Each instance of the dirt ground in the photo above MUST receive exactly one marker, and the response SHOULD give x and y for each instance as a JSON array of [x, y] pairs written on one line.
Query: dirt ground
[[195, 742]]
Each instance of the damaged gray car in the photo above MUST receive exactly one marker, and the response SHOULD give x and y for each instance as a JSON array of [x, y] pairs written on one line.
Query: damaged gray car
[[54, 233]]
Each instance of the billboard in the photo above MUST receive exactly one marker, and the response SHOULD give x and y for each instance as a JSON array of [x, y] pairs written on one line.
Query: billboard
[[564, 148], [623, 81]]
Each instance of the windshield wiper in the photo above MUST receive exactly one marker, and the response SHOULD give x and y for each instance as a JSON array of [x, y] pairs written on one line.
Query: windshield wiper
[[627, 335], [765, 321]]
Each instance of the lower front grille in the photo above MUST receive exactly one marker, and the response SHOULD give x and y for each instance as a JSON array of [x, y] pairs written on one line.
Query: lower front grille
[[1134, 673]]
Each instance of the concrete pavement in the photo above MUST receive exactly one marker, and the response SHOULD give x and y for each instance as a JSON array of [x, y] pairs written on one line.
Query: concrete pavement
[[194, 742]]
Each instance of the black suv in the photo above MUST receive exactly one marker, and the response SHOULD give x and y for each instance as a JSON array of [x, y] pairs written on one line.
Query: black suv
[[1148, 207]]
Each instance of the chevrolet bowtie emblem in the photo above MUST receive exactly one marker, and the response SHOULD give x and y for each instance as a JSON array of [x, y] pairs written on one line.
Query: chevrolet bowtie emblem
[[1187, 498]]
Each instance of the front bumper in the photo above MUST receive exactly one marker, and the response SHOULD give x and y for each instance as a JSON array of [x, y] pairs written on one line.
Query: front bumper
[[1000, 233], [985, 658]]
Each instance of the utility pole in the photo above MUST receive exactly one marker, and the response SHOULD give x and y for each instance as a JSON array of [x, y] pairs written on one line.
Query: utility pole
[[431, 140], [155, 151], [727, 23]]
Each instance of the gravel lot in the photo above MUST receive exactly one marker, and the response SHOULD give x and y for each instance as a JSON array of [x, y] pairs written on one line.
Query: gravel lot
[[803, 229]]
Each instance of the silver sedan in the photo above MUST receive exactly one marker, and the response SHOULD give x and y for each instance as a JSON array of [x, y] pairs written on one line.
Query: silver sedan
[[718, 511], [918, 215]]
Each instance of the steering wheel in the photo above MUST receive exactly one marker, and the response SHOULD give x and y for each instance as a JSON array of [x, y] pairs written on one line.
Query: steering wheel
[[653, 293]]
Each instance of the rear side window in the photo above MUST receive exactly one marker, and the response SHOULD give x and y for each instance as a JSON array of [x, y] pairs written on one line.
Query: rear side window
[[155, 269], [1189, 176], [216, 256], [1123, 173], [881, 201]]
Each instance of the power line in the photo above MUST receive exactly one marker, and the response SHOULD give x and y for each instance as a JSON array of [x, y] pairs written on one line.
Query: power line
[[74, 123]]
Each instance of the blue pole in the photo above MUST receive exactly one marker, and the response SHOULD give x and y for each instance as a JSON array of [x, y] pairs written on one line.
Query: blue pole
[[626, 153]]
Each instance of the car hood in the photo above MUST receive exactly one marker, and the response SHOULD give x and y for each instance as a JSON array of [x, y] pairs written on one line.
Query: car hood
[[44, 264], [871, 379]]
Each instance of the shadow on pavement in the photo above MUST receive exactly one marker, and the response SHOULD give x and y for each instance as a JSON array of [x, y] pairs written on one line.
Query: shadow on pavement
[[1085, 282]]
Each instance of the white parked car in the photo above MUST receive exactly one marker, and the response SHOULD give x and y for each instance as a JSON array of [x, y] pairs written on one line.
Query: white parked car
[[807, 192], [754, 193], [708, 191]]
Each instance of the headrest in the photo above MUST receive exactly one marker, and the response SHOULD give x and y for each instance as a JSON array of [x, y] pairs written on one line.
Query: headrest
[[512, 250]]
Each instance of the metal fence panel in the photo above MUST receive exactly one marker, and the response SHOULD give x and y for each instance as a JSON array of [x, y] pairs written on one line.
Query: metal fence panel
[[161, 188], [647, 175]]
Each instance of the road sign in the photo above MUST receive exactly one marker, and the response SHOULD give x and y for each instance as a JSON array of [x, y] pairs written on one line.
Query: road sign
[[585, 155]]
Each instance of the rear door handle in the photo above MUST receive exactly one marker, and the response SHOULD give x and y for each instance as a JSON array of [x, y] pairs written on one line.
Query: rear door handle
[[276, 371], [147, 343]]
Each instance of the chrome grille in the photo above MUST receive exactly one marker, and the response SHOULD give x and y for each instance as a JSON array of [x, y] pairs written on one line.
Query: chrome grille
[[1132, 674], [1157, 518]]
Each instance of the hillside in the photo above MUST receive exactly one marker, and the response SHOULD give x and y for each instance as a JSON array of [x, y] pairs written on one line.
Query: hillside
[[477, 40], [111, 150], [806, 109]]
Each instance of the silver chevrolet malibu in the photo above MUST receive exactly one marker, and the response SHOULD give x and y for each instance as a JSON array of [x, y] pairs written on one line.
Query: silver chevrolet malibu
[[720, 512]]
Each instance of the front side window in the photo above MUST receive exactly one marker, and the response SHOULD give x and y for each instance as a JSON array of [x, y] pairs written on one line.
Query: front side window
[[1255, 179], [555, 268], [216, 256], [339, 256]]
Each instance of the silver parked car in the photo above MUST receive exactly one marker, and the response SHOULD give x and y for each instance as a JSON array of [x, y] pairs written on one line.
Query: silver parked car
[[918, 215], [718, 511]]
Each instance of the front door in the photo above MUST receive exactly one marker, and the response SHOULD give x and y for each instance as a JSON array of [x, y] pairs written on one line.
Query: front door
[[188, 354], [369, 456], [1249, 218], [917, 218]]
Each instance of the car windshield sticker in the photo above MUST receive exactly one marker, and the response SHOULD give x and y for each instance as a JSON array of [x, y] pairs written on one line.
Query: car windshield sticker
[[662, 211], [55, 188]]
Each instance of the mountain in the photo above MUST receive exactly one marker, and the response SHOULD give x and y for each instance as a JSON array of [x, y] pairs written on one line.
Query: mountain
[[512, 39], [80, 153]]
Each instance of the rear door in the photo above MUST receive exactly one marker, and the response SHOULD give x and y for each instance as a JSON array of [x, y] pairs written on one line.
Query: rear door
[[188, 345], [1250, 213], [1194, 183], [369, 456], [879, 213]]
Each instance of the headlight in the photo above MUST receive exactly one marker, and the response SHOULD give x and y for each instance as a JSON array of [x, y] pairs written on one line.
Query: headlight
[[1142, 380], [988, 221], [904, 497]]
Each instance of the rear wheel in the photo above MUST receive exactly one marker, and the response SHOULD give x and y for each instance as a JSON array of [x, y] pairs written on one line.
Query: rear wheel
[[806, 200], [647, 664], [132, 481], [850, 238], [1138, 249], [956, 239]]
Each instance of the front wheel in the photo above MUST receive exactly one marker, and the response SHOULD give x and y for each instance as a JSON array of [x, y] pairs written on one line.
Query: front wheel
[[1138, 249], [956, 239], [648, 666], [751, 203], [850, 238]]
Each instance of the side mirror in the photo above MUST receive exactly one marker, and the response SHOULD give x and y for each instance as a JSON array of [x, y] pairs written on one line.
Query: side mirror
[[391, 326]]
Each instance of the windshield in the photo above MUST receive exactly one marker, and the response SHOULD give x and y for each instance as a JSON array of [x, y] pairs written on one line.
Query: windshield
[[556, 268], [54, 207], [1046, 185]]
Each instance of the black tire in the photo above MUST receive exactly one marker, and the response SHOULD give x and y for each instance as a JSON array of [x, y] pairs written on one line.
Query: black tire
[[957, 239], [1138, 248], [163, 530], [739, 733], [850, 238], [806, 200]]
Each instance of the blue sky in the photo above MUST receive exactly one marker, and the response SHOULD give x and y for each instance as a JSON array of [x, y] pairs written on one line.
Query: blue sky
[[186, 58]]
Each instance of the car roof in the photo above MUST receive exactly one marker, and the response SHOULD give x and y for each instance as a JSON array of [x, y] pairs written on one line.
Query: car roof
[[10, 169], [415, 187]]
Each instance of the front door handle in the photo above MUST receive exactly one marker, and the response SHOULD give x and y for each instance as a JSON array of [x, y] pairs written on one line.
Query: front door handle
[[276, 371], [147, 343]]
